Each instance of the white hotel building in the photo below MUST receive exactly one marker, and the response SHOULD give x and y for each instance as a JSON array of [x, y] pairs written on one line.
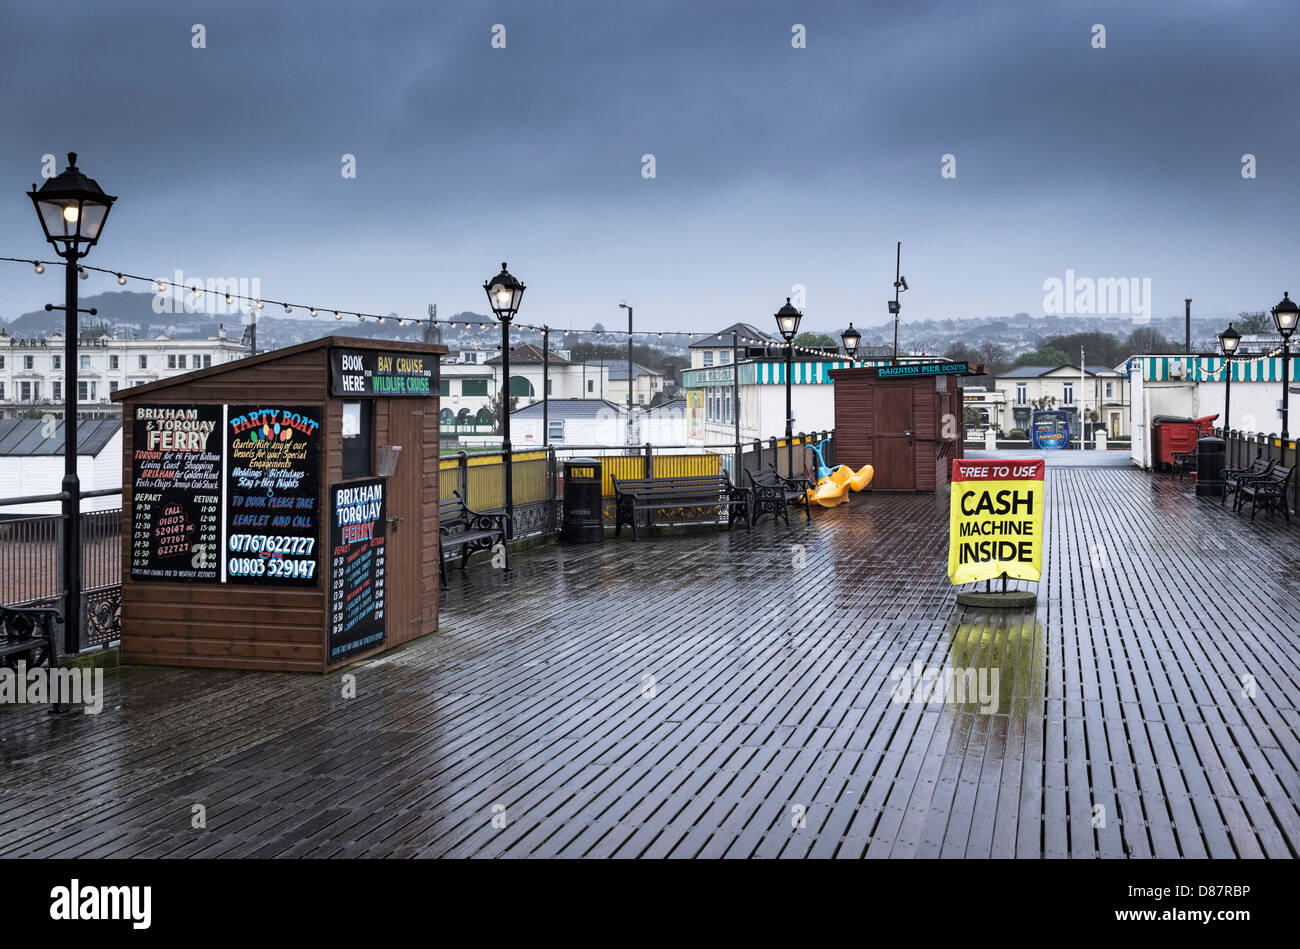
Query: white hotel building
[[32, 371]]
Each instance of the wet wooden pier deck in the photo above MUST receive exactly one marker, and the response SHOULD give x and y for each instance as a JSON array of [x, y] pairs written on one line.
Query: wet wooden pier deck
[[729, 695]]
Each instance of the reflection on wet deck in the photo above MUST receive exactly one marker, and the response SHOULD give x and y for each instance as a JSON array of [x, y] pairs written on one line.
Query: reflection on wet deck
[[734, 694]]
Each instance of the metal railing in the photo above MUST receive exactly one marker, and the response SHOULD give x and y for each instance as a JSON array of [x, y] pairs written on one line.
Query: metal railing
[[30, 555], [30, 543], [538, 506]]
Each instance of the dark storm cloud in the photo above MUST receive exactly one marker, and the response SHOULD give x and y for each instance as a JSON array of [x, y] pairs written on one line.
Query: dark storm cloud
[[775, 166]]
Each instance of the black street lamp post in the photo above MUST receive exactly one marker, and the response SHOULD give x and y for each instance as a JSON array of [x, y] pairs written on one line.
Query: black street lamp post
[[504, 293], [851, 338], [1284, 318], [787, 320], [1229, 340], [72, 209]]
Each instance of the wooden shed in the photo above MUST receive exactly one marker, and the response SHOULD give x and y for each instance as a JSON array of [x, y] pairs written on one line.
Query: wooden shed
[[281, 512], [904, 420]]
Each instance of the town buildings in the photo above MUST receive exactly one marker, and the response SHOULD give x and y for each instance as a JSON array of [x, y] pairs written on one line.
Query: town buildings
[[32, 372], [646, 383], [567, 380], [577, 425], [1097, 394]]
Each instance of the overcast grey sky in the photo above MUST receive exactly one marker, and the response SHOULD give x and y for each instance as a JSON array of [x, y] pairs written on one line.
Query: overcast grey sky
[[774, 165]]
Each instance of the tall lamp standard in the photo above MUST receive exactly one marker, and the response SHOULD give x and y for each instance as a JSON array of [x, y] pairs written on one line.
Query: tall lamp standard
[[72, 209], [787, 321], [851, 338], [629, 370], [1284, 318], [504, 293], [1229, 340]]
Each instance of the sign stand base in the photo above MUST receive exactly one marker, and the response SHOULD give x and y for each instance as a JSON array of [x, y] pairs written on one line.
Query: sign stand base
[[998, 600]]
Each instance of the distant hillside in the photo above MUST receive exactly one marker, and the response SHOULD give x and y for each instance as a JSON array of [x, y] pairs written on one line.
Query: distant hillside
[[128, 314]]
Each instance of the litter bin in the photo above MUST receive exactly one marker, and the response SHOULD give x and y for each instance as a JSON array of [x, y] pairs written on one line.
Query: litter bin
[[1169, 434], [583, 522], [1211, 457]]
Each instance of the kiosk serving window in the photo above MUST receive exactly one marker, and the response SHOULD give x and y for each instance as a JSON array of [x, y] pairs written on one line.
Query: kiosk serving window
[[357, 440]]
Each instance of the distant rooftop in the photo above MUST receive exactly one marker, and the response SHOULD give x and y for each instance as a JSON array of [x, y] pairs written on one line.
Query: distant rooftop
[[527, 355], [1033, 372], [570, 408], [711, 341], [26, 437], [618, 370]]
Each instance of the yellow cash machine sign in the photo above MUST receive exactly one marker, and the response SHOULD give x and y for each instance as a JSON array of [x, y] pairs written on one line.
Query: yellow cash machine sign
[[996, 520]]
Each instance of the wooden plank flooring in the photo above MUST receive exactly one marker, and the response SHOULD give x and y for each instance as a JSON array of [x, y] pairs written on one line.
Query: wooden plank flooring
[[729, 695]]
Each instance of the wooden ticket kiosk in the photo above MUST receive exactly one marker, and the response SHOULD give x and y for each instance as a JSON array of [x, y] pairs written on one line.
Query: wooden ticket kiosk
[[904, 420], [281, 512]]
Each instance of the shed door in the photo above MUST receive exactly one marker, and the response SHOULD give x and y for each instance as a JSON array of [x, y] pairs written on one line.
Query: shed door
[[405, 428], [895, 443]]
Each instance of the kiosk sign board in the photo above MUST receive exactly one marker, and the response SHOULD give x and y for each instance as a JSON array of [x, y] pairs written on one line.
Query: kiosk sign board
[[226, 494], [358, 567], [916, 370], [370, 372], [272, 494], [176, 487], [996, 520]]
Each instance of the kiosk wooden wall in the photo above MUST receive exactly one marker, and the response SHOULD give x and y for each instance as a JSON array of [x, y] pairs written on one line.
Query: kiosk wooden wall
[[244, 626], [897, 426]]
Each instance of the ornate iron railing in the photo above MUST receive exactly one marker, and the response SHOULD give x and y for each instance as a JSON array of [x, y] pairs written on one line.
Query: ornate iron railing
[[30, 545]]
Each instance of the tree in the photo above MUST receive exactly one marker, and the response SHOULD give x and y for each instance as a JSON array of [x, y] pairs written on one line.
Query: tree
[[598, 328], [1147, 340], [1254, 324], [814, 339], [651, 357], [960, 352], [494, 410], [1099, 348], [1043, 402], [1043, 356], [993, 355]]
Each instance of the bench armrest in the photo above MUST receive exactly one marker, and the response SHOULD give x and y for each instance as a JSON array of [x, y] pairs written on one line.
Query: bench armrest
[[37, 615], [481, 521]]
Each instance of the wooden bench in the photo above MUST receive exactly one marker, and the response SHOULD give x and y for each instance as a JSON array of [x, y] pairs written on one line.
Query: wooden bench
[[27, 632], [1234, 477], [693, 492], [1184, 462], [1267, 491], [772, 493], [460, 528]]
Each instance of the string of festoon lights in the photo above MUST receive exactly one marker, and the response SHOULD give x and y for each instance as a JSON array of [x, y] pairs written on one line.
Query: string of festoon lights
[[259, 304]]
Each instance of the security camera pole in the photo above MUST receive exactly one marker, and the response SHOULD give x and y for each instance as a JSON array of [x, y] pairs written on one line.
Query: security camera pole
[[629, 370], [899, 283]]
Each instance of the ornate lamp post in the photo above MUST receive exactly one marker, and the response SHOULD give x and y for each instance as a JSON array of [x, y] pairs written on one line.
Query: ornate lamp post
[[851, 338], [504, 293], [1284, 318], [1229, 340], [787, 321], [72, 210]]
